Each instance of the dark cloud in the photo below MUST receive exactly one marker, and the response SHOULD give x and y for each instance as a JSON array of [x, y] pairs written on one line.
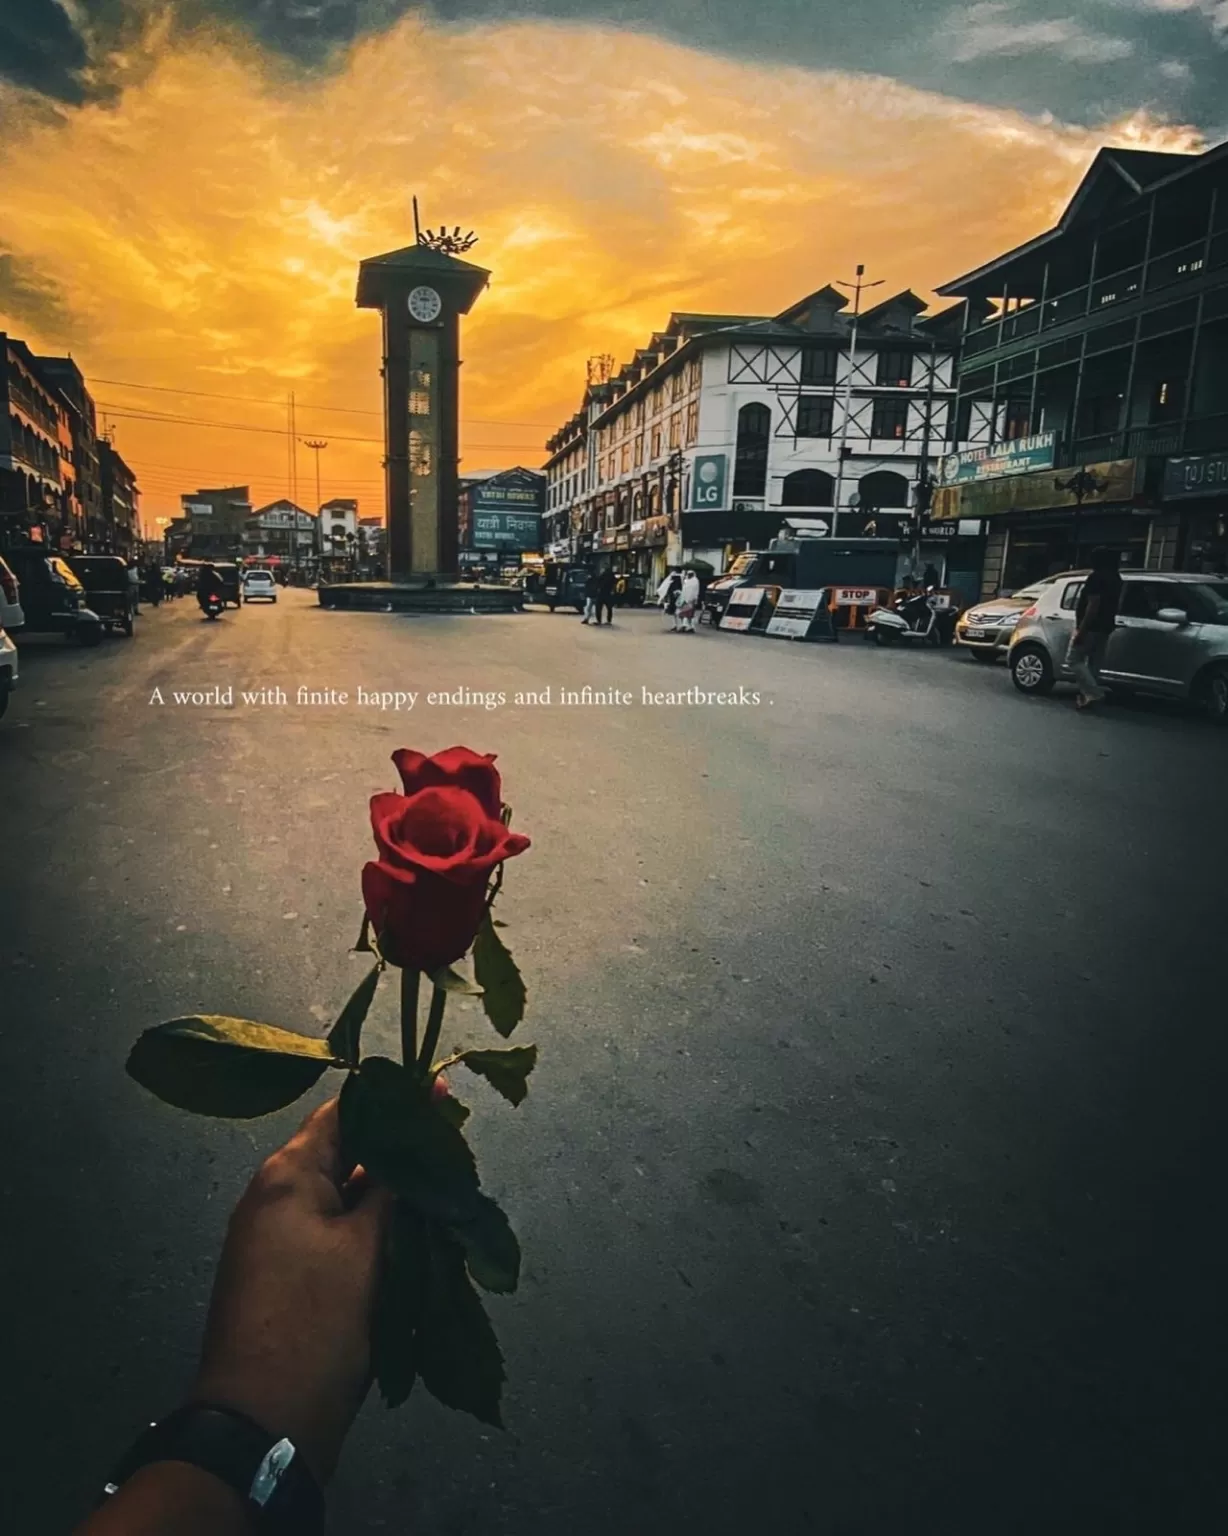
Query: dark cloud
[[1082, 60], [30, 300], [42, 49]]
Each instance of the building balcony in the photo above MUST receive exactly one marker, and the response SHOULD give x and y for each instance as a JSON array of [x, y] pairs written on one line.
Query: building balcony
[[1196, 434]]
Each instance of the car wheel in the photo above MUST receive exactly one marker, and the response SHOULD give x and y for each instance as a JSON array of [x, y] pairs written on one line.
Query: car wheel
[[1215, 695], [1031, 670], [978, 655]]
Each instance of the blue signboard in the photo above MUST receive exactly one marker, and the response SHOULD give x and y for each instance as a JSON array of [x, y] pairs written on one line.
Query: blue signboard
[[708, 482]]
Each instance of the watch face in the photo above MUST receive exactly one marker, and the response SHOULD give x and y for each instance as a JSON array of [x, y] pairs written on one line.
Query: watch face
[[424, 304]]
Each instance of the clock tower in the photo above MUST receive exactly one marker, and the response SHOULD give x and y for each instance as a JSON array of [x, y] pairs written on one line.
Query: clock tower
[[421, 294]]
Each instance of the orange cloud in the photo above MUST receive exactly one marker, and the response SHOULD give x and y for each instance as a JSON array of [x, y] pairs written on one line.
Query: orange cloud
[[203, 232]]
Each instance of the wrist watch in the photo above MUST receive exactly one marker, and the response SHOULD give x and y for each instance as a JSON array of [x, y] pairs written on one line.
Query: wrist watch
[[268, 1473]]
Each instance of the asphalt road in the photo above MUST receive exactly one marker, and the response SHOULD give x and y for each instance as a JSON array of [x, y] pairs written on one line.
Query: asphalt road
[[871, 1178]]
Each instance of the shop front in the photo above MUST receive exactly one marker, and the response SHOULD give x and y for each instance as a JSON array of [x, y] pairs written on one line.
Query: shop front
[[1050, 520], [649, 537], [1196, 489]]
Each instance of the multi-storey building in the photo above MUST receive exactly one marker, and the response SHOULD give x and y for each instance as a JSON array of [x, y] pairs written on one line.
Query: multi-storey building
[[724, 426], [1104, 341], [121, 521], [338, 531], [283, 532], [35, 448], [216, 522], [85, 495]]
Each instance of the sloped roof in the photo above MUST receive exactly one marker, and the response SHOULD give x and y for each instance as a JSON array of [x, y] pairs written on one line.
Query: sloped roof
[[1133, 168], [827, 295]]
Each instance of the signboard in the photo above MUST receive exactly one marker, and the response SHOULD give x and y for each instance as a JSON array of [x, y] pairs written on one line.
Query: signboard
[[708, 482], [506, 530], [1011, 458], [198, 509], [796, 612], [1198, 474], [516, 490], [854, 597], [742, 607], [1047, 490]]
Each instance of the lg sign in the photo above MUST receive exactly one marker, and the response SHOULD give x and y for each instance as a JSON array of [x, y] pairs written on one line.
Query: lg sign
[[708, 482]]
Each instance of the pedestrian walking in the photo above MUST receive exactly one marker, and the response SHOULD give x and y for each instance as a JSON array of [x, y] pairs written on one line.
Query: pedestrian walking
[[605, 596], [591, 589], [688, 602], [667, 596], [1095, 616]]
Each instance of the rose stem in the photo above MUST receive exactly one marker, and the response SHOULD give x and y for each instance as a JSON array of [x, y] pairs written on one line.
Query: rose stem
[[409, 1016], [434, 1023]]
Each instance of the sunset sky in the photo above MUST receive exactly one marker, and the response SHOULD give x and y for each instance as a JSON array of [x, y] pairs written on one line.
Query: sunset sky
[[187, 190]]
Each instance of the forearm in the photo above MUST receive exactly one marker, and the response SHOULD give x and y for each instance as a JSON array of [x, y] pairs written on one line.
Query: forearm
[[170, 1498]]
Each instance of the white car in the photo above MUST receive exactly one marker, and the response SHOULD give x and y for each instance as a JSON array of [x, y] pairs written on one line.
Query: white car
[[12, 615], [259, 586], [8, 670]]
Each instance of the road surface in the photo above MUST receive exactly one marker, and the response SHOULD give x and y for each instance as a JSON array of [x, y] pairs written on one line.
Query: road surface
[[870, 1180]]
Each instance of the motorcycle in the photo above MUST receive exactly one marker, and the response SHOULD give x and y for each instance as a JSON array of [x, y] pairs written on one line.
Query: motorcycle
[[913, 618], [212, 604]]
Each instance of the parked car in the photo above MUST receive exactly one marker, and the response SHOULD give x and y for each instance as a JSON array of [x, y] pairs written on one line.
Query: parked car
[[1170, 639], [985, 629], [11, 615], [259, 587], [8, 669], [109, 591], [53, 598]]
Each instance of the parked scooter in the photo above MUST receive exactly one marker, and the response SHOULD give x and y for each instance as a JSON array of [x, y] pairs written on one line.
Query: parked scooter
[[913, 618]]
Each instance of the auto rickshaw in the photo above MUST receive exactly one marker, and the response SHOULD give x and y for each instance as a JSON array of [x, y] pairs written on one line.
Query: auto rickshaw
[[109, 591]]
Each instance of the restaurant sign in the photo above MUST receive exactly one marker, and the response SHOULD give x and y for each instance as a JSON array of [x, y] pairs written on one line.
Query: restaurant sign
[[1086, 485], [1015, 457], [1198, 474]]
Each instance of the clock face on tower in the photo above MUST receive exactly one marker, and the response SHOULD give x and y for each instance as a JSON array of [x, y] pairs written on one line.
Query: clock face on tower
[[424, 304]]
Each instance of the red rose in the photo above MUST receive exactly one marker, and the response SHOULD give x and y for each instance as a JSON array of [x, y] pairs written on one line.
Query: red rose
[[438, 845]]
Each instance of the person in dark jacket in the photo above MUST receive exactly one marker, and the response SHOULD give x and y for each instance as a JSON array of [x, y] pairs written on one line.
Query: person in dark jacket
[[605, 596], [591, 589], [1095, 617]]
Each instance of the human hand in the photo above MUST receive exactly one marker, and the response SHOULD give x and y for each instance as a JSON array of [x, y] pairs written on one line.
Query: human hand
[[288, 1336]]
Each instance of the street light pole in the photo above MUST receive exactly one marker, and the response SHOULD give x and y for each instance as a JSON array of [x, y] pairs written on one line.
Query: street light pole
[[317, 445], [857, 285]]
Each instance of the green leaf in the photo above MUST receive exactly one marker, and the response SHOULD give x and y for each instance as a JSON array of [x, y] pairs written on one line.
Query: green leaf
[[214, 1065], [498, 922], [399, 1305], [451, 980], [458, 1356], [453, 1111], [346, 1033], [506, 1071], [364, 947], [491, 1249], [389, 1125], [503, 992]]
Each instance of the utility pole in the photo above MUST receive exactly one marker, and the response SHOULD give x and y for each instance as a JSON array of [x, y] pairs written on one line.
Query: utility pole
[[925, 484], [317, 445], [857, 285]]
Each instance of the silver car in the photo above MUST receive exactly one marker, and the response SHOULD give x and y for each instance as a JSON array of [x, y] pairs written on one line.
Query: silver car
[[985, 629], [1170, 639]]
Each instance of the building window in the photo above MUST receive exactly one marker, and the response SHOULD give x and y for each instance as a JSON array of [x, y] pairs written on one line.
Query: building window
[[807, 488], [819, 365], [656, 442], [883, 488], [675, 430], [625, 459], [750, 458], [1018, 420], [639, 449], [889, 418], [814, 414], [692, 422], [675, 386], [895, 368]]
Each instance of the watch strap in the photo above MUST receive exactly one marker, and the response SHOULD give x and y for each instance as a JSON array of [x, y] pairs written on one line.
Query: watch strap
[[268, 1473]]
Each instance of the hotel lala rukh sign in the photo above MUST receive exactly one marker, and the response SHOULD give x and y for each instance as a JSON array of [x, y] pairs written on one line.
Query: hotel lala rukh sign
[[1019, 477]]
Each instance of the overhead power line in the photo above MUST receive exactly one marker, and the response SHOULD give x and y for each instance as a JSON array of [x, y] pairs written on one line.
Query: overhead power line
[[349, 410], [160, 418]]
